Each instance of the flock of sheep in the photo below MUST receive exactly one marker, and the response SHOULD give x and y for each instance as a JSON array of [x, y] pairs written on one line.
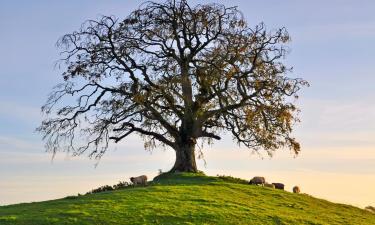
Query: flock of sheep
[[142, 180], [262, 181]]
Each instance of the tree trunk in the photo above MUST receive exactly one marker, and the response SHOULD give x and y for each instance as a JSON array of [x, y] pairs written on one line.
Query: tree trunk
[[185, 158]]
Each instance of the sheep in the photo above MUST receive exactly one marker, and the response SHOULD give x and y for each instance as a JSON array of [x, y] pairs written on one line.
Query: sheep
[[370, 209], [296, 189], [269, 185], [258, 180], [279, 186], [139, 180]]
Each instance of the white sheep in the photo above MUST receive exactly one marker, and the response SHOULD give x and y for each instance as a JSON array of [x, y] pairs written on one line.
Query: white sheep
[[269, 185], [139, 180], [258, 180]]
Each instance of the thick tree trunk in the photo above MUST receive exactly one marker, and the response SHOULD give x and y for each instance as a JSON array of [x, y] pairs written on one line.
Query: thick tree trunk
[[185, 150], [185, 159]]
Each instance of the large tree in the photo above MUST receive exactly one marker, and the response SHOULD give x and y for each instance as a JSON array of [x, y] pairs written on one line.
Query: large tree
[[174, 74]]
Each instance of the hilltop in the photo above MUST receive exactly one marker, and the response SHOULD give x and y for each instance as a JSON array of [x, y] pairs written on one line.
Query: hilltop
[[187, 199]]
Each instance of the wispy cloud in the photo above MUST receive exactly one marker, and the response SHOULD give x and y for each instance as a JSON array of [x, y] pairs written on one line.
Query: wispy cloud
[[337, 116], [16, 144], [20, 112], [335, 31]]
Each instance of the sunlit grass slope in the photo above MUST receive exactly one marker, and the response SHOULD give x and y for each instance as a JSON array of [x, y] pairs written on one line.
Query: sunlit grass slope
[[187, 199]]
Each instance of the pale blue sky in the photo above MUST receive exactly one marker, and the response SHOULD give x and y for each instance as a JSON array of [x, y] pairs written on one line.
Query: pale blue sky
[[332, 47]]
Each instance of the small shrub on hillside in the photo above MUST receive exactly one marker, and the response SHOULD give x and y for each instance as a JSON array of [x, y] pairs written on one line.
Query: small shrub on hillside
[[121, 184], [101, 189], [71, 197], [232, 179]]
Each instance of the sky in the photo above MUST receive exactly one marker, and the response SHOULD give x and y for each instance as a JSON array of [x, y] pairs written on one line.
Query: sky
[[332, 47]]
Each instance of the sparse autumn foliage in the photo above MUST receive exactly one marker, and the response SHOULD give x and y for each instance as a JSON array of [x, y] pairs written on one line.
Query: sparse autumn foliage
[[173, 74]]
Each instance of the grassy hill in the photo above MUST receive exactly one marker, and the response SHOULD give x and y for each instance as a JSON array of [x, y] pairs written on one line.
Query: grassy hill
[[187, 199]]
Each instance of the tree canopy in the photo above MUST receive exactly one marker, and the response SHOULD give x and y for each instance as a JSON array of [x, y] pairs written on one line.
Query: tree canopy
[[174, 74]]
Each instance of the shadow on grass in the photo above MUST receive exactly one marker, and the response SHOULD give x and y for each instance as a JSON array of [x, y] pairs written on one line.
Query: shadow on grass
[[183, 179]]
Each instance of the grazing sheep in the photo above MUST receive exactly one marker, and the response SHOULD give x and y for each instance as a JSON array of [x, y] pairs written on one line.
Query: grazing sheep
[[139, 180], [269, 185], [258, 180], [279, 186], [370, 209], [296, 189]]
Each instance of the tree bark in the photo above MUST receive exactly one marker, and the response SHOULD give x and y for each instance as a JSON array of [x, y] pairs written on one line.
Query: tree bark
[[185, 150], [185, 158]]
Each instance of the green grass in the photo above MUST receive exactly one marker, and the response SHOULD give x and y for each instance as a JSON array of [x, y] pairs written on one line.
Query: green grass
[[187, 199]]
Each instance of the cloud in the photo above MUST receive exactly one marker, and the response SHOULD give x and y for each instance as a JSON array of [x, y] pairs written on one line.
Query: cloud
[[337, 117], [20, 112], [15, 144], [335, 31]]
